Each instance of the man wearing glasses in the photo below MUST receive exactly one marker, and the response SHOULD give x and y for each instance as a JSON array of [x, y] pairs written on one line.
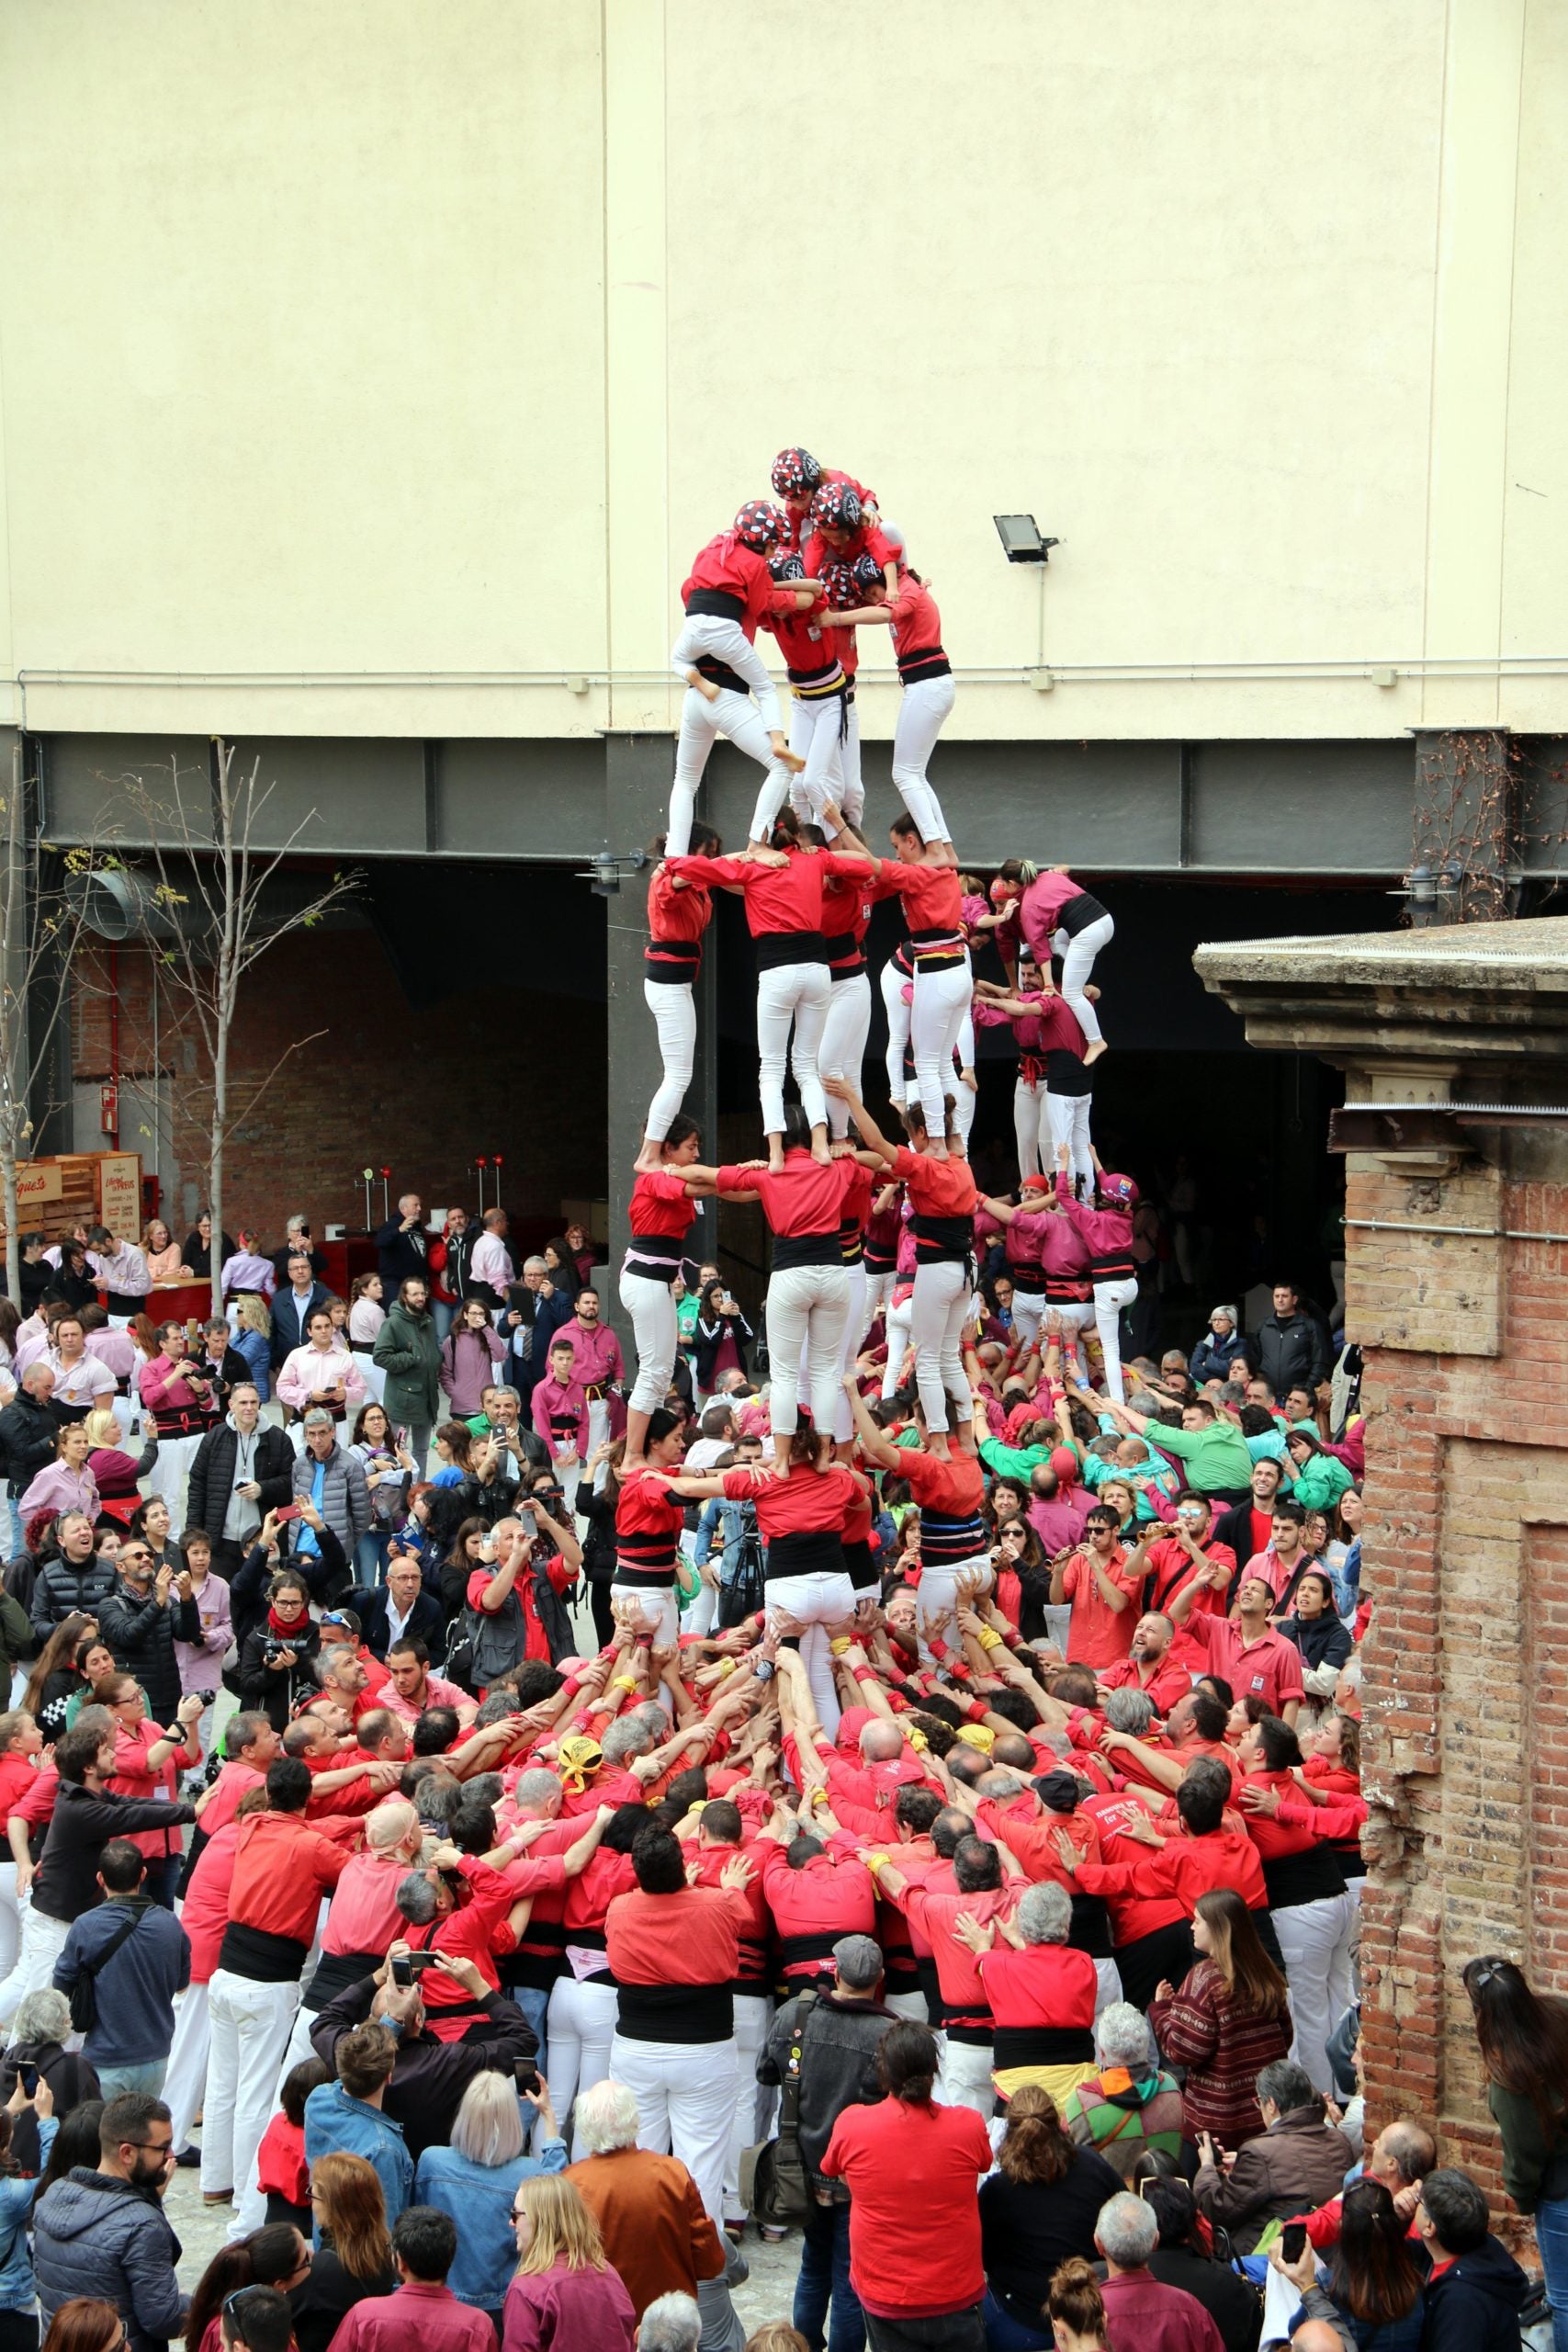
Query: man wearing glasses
[[103, 2233]]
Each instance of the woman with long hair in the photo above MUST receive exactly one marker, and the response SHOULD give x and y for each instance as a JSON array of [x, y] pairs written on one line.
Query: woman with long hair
[[1523, 2036], [19, 2328], [388, 1468], [1037, 2210], [273, 2255], [82, 2323], [1314, 1916], [465, 1556], [53, 1678], [353, 2257], [659, 1214], [1374, 2297], [166, 1262], [469, 1353], [1229, 2016], [563, 2291], [252, 1337], [722, 1337], [1023, 1576]]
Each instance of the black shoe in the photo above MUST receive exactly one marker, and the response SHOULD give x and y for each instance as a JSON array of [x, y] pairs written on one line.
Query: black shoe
[[189, 2158]]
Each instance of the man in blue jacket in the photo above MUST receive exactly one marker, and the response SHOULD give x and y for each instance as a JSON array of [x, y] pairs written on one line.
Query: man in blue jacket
[[345, 2118], [102, 2232], [1476, 2288], [134, 1985]]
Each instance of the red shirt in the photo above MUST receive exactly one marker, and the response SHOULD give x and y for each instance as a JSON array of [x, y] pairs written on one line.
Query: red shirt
[[690, 1937], [1173, 1570], [801, 1197], [736, 570], [866, 541], [1165, 1686], [1183, 1869], [917, 2165], [419, 2317], [282, 1869], [1271, 1665], [1034, 1842], [785, 898], [804, 643], [677, 914], [932, 896], [1044, 1984], [917, 624], [951, 1487], [805, 1502], [1097, 1635], [937, 1187], [648, 1523], [661, 1203]]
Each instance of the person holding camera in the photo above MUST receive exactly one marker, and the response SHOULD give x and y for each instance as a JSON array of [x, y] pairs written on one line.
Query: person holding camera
[[429, 2076], [182, 1397], [514, 1609], [278, 1662]]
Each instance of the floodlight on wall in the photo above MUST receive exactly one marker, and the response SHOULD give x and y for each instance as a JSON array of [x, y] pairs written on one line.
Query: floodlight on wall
[[1022, 541], [604, 876]]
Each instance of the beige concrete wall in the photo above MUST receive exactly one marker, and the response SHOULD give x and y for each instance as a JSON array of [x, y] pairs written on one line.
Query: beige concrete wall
[[349, 348]]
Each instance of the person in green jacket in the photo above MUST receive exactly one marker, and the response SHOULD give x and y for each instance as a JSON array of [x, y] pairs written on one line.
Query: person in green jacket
[[1212, 1450], [410, 1354], [1321, 1479], [1524, 2048]]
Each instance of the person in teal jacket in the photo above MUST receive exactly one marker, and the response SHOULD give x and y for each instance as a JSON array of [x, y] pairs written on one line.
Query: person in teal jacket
[[1211, 1449], [1321, 1479]]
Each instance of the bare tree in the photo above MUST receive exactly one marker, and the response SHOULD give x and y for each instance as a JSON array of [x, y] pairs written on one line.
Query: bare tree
[[42, 921], [203, 839]]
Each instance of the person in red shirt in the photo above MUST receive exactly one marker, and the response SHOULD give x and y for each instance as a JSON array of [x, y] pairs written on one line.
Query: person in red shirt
[[1244, 1649], [1101, 1591], [1149, 1666], [729, 592], [796, 477], [1178, 1561], [912, 2168], [1042, 1990], [679, 913], [649, 1520], [818, 721], [843, 527], [660, 1215], [925, 671], [809, 1291], [782, 882], [924, 871]]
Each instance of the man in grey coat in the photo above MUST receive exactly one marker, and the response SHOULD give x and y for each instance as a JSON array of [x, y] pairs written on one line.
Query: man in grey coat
[[103, 2234], [334, 1480]]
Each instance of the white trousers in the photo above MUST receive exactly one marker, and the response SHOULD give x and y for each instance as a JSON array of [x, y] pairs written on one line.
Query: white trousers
[[168, 1476], [815, 1600], [577, 2037], [1028, 1313], [843, 1051], [1314, 1940], [186, 2076], [1077, 955], [878, 1291], [937, 1595], [854, 1324], [892, 985], [710, 635], [1067, 1115], [673, 1006], [1110, 1298], [899, 1324], [1075, 1316], [10, 1919], [753, 2014], [1029, 1122], [733, 716], [651, 1307], [43, 1940], [807, 1306], [852, 800], [814, 738], [790, 993], [373, 1374], [660, 1610], [963, 2077], [249, 2026], [685, 2097], [940, 1309], [922, 713]]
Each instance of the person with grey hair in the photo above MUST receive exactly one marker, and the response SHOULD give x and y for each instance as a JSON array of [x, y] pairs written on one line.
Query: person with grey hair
[[1138, 2309], [655, 2231], [671, 2323], [1042, 1992], [1295, 2165], [1130, 1711], [39, 2031], [826, 2043], [1220, 1351], [1130, 2104], [476, 2178], [627, 1736]]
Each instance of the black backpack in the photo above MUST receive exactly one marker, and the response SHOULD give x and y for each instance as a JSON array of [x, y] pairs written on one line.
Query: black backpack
[[780, 2190]]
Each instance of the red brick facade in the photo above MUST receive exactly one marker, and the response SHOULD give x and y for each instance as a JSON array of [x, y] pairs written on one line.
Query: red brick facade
[[1466, 1545]]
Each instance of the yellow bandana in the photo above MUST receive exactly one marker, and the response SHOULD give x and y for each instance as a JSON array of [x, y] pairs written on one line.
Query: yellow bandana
[[579, 1757]]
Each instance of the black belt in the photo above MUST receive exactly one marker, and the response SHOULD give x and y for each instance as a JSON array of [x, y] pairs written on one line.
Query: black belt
[[1078, 913], [1066, 1073], [675, 2013], [1043, 2046], [799, 1952], [776, 947], [923, 661], [1116, 1266], [716, 603], [719, 673], [672, 959], [806, 1250], [1026, 1274], [806, 1551], [653, 1580], [1066, 1290]]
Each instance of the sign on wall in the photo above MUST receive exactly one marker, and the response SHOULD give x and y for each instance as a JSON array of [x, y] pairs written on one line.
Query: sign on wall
[[38, 1182], [120, 1193]]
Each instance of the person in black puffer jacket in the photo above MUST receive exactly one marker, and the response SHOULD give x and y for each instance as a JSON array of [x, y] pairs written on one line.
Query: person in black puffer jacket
[[103, 2233], [141, 1619], [72, 1581]]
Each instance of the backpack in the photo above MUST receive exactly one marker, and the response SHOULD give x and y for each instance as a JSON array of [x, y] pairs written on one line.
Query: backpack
[[780, 2190], [84, 1991]]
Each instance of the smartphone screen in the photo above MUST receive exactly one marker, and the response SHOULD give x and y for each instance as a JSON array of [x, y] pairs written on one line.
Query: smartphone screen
[[402, 1973], [1292, 2241]]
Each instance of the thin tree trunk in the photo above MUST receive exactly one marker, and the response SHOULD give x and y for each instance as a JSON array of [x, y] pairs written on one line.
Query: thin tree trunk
[[13, 1239], [215, 1204]]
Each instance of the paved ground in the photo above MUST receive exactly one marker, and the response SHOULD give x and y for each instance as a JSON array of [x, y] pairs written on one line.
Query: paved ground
[[767, 2294]]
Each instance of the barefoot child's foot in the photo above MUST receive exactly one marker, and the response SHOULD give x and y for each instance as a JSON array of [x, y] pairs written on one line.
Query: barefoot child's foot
[[784, 756], [704, 686], [1093, 1052]]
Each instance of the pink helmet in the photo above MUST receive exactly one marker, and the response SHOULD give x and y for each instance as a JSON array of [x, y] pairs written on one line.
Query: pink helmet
[[1120, 1189]]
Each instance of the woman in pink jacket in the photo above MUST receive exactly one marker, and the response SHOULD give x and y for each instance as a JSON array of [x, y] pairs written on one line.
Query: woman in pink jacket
[[470, 1354]]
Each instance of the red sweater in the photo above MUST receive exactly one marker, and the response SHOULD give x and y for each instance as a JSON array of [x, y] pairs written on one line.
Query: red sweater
[[919, 2165]]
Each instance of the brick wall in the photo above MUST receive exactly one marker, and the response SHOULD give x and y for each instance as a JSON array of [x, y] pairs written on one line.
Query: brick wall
[[489, 1069], [1466, 1545]]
